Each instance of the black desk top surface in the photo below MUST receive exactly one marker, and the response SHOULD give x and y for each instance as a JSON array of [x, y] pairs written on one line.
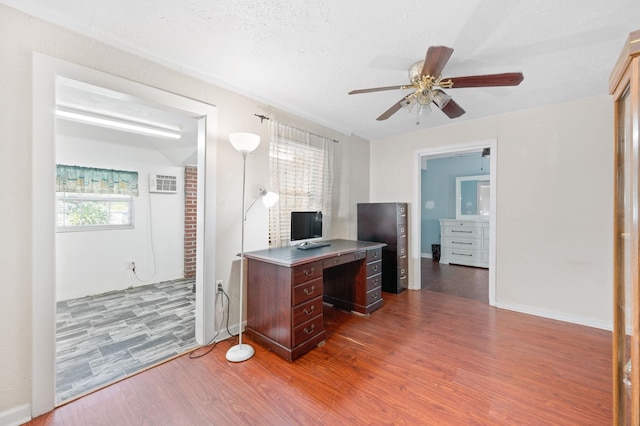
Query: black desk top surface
[[292, 256]]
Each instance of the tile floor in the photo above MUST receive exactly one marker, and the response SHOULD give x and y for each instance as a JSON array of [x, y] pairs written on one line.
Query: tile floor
[[106, 337]]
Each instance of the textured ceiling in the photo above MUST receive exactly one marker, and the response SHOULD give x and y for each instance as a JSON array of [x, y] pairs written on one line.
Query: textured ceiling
[[304, 56]]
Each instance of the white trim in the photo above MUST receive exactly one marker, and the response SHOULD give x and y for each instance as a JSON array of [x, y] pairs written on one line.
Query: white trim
[[45, 72], [416, 216], [554, 315], [16, 416]]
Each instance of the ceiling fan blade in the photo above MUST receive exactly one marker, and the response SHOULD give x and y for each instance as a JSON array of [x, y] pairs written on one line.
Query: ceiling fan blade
[[378, 89], [452, 109], [395, 108], [506, 79], [436, 59]]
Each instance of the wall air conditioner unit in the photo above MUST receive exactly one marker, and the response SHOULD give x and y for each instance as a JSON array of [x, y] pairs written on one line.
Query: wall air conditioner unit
[[163, 184]]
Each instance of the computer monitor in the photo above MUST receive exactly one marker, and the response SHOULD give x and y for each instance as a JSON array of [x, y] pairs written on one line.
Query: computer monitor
[[306, 226]]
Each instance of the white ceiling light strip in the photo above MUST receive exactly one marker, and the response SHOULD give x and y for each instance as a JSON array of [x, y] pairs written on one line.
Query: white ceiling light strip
[[117, 124]]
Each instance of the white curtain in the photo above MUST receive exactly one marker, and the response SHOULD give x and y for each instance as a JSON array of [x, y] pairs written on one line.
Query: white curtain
[[301, 172]]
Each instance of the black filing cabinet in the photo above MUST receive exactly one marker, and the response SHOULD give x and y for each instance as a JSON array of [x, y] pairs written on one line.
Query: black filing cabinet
[[388, 223]]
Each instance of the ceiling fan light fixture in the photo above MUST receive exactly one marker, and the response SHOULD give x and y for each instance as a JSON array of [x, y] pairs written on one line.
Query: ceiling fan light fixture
[[415, 72], [440, 98]]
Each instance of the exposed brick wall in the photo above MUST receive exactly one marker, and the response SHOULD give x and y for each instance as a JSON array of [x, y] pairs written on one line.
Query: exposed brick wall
[[190, 223]]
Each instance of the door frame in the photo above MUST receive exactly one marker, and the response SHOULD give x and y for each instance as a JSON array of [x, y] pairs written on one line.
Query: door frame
[[45, 72], [441, 151]]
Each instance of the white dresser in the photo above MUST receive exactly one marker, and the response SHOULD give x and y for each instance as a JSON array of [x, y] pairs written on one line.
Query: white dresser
[[464, 242]]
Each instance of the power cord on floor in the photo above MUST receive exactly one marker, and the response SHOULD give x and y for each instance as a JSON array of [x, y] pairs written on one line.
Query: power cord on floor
[[212, 343]]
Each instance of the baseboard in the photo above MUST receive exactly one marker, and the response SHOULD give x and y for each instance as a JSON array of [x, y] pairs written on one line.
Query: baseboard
[[16, 415], [427, 255], [589, 322]]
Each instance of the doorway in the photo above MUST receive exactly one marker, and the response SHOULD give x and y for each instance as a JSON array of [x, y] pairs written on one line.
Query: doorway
[[47, 72], [441, 204], [124, 298]]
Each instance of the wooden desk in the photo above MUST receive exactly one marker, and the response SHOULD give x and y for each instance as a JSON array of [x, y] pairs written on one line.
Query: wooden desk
[[286, 288]]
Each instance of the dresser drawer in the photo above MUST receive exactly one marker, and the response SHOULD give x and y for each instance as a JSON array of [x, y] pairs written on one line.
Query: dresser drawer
[[462, 243], [307, 291], [306, 272], [373, 255], [374, 281], [306, 311], [344, 258], [462, 256], [374, 295], [374, 268], [462, 232], [307, 330]]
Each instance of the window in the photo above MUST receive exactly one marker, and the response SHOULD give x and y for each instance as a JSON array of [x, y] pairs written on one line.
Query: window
[[301, 172], [83, 212], [94, 199]]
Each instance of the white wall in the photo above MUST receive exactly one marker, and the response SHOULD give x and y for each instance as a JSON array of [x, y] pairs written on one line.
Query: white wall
[[21, 36], [554, 210], [93, 262]]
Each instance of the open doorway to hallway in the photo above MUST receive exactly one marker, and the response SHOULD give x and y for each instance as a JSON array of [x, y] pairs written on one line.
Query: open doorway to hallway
[[457, 220]]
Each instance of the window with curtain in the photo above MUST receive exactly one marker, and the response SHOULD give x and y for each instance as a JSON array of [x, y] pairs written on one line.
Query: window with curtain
[[94, 199], [301, 172]]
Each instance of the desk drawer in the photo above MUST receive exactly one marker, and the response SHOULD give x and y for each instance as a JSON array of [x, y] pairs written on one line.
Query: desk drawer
[[374, 281], [307, 291], [344, 258], [374, 268], [374, 295], [373, 255], [307, 310], [306, 272], [307, 330]]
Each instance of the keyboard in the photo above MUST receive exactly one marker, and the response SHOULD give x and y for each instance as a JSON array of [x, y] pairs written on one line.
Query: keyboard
[[307, 246]]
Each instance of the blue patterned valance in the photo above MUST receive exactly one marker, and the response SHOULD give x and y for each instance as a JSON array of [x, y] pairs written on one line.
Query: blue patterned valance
[[95, 181]]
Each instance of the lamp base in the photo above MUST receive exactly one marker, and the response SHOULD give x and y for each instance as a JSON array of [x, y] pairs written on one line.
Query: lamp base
[[239, 353]]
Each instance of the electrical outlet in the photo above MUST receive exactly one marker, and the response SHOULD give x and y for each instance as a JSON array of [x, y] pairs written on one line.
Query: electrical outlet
[[130, 264], [219, 288]]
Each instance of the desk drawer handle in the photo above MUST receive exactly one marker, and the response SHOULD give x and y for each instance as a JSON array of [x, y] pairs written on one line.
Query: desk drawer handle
[[309, 272], [313, 326], [309, 311], [374, 296], [375, 268], [375, 254], [335, 261], [309, 291]]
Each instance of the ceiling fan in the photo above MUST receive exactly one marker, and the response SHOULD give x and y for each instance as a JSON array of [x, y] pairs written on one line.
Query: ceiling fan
[[427, 83]]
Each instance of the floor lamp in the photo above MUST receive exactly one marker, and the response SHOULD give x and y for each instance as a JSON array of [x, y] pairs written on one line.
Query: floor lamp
[[246, 143]]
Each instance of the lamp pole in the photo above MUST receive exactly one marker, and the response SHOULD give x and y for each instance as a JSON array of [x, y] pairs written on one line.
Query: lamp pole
[[241, 351]]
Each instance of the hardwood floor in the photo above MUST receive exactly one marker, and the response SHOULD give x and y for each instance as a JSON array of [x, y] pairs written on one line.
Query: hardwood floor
[[457, 280], [423, 358]]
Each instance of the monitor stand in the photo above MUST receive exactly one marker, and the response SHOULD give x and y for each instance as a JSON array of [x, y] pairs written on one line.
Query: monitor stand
[[312, 245]]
